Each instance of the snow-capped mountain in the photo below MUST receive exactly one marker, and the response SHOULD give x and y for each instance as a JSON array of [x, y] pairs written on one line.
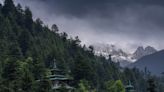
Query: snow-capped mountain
[[141, 51], [118, 55]]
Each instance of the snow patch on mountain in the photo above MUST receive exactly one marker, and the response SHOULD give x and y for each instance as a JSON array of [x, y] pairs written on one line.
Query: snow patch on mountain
[[118, 55]]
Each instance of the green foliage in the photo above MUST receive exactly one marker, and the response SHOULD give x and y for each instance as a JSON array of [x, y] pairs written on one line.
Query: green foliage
[[119, 86], [83, 86], [115, 86]]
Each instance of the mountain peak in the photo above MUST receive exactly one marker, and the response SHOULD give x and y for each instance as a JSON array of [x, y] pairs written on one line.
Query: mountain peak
[[151, 49], [140, 48], [141, 51]]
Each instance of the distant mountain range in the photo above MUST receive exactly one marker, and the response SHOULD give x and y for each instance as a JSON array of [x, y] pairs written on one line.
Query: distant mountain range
[[142, 58], [118, 55], [153, 62]]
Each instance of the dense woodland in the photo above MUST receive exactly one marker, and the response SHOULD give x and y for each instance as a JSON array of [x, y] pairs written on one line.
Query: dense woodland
[[28, 49]]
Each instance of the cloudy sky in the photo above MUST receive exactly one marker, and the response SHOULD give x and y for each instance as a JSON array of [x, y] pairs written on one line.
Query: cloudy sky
[[125, 23]]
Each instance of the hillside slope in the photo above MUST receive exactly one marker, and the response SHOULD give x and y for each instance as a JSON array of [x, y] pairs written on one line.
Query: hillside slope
[[154, 63]]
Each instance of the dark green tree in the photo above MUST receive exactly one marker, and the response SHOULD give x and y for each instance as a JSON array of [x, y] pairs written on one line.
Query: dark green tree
[[20, 19], [44, 86], [28, 19], [8, 7], [10, 75], [54, 28], [151, 85], [83, 70], [24, 41]]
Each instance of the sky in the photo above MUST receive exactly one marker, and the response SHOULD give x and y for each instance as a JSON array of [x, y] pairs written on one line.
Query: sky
[[124, 23]]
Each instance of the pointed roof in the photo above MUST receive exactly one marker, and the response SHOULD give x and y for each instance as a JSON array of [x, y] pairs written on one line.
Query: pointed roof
[[129, 85]]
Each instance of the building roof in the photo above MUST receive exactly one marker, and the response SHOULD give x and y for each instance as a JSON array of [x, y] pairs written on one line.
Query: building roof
[[60, 76], [129, 85], [55, 69], [58, 87], [59, 79]]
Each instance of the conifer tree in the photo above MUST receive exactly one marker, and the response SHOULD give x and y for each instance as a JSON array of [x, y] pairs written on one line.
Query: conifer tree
[[151, 85], [8, 7], [28, 19]]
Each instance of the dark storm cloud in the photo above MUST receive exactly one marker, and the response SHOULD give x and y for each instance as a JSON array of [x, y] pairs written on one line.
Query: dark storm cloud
[[146, 10], [83, 7], [124, 22]]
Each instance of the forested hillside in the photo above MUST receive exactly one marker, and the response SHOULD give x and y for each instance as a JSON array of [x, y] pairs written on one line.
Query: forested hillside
[[28, 49]]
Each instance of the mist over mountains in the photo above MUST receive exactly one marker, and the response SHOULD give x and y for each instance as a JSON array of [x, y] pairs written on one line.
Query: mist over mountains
[[123, 57]]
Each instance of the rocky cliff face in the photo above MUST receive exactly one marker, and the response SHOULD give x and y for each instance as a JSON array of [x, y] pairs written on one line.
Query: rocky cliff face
[[140, 52]]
